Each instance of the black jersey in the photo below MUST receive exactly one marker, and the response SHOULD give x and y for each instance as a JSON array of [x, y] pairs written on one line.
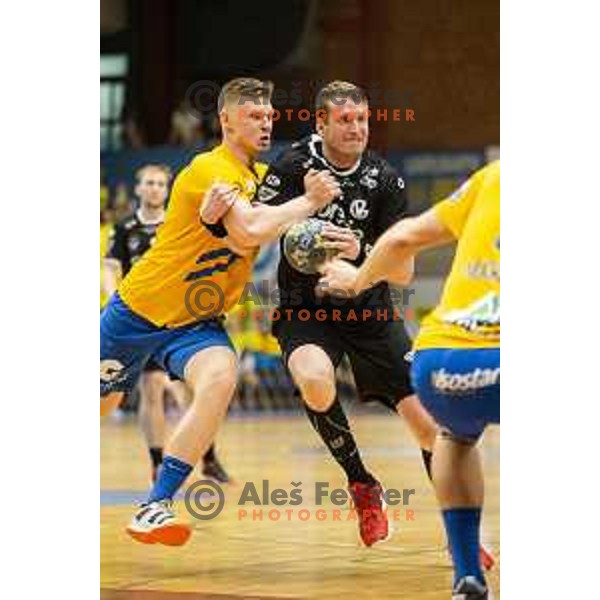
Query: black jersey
[[372, 200], [130, 239]]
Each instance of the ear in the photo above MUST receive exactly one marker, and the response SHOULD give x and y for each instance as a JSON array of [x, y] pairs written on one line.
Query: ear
[[320, 126], [223, 119]]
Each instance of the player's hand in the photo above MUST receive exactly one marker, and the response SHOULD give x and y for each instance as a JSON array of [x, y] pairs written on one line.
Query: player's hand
[[337, 276], [218, 199], [321, 187], [341, 239]]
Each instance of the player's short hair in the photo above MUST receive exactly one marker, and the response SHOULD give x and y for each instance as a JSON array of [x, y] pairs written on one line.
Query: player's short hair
[[241, 89], [336, 93], [164, 169]]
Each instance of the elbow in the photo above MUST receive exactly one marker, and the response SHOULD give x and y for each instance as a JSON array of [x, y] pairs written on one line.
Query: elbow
[[399, 239]]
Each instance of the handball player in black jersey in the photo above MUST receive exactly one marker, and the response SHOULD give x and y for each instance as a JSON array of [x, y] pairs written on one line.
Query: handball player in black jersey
[[372, 200]]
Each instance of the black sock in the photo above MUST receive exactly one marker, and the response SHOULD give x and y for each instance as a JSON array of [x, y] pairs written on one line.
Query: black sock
[[427, 455], [334, 430], [209, 455], [156, 455]]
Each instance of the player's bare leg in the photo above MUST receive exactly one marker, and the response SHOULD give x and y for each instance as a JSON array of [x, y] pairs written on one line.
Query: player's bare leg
[[211, 465], [314, 373], [110, 403], [459, 486], [425, 430], [420, 422], [152, 414], [211, 375]]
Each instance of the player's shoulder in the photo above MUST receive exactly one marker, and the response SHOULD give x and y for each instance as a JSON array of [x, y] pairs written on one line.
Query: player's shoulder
[[207, 164], [491, 171], [376, 166], [127, 223], [373, 160]]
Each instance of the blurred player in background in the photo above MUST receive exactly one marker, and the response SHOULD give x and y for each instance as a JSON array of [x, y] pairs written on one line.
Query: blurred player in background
[[170, 306], [456, 368], [129, 240]]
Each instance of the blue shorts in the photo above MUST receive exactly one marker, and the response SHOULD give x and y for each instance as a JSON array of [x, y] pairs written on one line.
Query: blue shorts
[[459, 387], [128, 341]]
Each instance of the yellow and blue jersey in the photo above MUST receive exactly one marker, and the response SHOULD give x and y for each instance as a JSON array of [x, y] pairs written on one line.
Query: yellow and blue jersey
[[468, 315], [185, 251]]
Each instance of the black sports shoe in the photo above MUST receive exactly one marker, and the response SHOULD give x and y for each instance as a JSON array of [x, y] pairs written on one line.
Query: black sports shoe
[[213, 469], [468, 588]]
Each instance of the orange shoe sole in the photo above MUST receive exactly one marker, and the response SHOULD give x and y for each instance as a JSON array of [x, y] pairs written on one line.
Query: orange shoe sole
[[169, 535]]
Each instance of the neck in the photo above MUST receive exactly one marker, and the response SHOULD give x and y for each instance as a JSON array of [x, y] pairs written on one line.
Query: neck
[[239, 152], [149, 214], [341, 161]]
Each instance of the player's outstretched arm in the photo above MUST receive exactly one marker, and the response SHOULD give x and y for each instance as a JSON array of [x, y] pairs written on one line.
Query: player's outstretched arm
[[252, 225], [392, 257]]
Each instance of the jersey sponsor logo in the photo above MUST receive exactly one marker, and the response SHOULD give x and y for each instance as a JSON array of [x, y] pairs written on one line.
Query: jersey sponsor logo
[[453, 383], [484, 269], [369, 182], [273, 180], [369, 178], [479, 316], [266, 193], [358, 209], [334, 213], [110, 370]]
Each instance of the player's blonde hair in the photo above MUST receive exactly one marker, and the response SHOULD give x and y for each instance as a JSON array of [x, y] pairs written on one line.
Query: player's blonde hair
[[164, 169], [241, 89], [336, 93]]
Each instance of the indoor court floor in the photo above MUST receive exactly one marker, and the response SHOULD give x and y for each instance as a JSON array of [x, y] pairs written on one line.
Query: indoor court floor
[[234, 556]]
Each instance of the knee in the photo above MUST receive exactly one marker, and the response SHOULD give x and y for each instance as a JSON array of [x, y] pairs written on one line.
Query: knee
[[216, 379], [314, 374], [153, 384]]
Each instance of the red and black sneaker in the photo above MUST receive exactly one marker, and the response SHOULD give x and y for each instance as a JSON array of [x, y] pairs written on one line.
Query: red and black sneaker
[[486, 558], [368, 501]]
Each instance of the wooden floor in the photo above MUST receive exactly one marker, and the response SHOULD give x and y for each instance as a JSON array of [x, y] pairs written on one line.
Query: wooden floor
[[232, 558]]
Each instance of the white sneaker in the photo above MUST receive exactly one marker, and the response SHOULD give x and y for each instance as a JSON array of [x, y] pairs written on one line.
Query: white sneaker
[[155, 523]]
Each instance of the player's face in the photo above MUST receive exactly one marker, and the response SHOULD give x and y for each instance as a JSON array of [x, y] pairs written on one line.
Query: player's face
[[250, 125], [345, 131], [152, 189]]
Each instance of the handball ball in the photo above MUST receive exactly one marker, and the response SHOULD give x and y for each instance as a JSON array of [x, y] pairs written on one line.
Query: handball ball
[[303, 246]]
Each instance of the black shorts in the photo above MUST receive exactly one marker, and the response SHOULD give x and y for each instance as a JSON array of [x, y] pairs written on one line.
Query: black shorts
[[378, 352]]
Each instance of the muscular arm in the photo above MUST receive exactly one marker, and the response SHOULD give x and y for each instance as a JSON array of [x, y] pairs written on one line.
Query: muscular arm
[[392, 257], [249, 225], [254, 224]]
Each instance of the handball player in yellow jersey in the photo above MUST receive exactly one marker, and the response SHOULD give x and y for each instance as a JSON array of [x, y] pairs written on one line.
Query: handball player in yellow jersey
[[170, 305], [456, 367]]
